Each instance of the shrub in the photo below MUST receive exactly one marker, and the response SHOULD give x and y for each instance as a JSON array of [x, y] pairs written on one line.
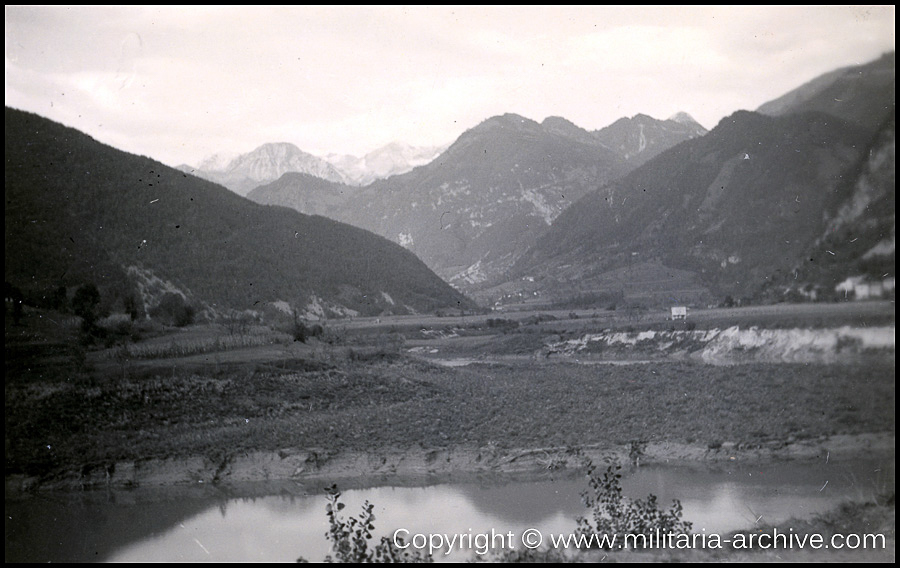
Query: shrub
[[84, 305], [173, 309], [636, 449], [350, 538], [586, 300], [615, 515], [635, 312], [334, 335], [501, 323], [301, 332], [539, 318]]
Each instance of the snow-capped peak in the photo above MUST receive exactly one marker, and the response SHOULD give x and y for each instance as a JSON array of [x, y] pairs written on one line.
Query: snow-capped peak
[[683, 118]]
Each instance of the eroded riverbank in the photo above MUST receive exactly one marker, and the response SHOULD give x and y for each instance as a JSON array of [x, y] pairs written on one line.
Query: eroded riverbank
[[320, 467], [279, 520]]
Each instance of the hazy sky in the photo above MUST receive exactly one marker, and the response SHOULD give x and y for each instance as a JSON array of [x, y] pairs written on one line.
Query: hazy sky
[[180, 83]]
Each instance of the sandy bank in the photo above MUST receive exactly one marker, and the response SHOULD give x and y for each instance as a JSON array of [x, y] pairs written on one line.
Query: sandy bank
[[319, 467]]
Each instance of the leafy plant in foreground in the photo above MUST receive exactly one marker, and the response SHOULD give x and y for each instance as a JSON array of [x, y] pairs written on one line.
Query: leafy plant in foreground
[[615, 515], [350, 538]]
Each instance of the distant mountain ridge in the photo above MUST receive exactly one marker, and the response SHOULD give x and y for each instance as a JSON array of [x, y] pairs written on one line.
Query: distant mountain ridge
[[264, 164], [474, 209], [389, 160], [78, 211]]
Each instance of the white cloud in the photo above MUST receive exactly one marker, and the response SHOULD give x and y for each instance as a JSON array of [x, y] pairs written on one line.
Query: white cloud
[[180, 83]]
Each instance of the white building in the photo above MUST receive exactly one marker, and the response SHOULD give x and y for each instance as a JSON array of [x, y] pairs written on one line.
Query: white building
[[863, 288], [679, 312]]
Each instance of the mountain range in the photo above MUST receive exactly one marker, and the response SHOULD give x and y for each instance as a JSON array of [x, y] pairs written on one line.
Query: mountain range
[[730, 208], [78, 211], [796, 199], [641, 137], [472, 211], [390, 160], [243, 172], [268, 162], [647, 209], [793, 198]]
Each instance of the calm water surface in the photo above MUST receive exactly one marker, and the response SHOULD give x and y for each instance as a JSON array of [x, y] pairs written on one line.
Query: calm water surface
[[200, 524]]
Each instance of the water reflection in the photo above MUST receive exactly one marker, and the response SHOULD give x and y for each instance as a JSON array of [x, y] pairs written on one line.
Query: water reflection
[[88, 527], [211, 525]]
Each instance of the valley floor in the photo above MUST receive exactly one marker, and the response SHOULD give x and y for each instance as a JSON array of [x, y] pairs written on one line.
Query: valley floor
[[386, 414], [320, 413]]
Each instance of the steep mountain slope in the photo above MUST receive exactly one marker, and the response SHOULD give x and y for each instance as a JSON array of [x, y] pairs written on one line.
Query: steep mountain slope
[[470, 213], [857, 243], [79, 211], [733, 208], [263, 165], [478, 206], [862, 94], [309, 194]]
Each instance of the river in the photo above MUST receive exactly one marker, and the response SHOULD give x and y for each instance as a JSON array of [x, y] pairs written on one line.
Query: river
[[281, 522]]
